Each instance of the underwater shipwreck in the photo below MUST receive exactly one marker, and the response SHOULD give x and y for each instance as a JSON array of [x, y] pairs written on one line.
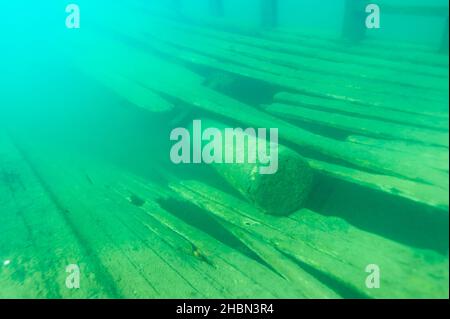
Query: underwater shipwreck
[[363, 162]]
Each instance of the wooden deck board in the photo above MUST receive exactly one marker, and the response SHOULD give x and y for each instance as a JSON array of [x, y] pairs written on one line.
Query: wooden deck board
[[129, 234], [39, 242], [323, 243], [387, 115], [189, 90], [357, 125]]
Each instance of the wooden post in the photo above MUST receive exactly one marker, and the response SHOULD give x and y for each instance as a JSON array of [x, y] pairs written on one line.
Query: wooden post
[[269, 13], [354, 28], [216, 8]]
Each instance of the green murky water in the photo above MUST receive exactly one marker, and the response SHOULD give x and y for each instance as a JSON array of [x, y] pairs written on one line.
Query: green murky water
[[93, 206]]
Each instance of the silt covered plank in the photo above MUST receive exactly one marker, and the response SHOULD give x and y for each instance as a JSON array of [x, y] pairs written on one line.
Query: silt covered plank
[[322, 243], [358, 125]]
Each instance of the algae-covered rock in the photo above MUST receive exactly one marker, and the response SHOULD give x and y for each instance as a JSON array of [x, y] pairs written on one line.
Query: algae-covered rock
[[280, 193], [278, 181]]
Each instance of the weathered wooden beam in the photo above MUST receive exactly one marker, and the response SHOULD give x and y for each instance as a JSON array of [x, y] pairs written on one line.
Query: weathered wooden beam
[[266, 68], [176, 7], [420, 55], [444, 41], [35, 267], [41, 256], [395, 116], [417, 192], [120, 243], [416, 10], [215, 261], [359, 125], [191, 91], [273, 191]]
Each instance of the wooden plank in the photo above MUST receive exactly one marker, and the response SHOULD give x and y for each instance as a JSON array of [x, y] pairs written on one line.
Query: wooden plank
[[323, 242], [416, 10], [201, 264], [400, 46], [19, 278], [156, 260], [269, 13], [216, 8], [135, 267], [343, 107], [354, 29], [130, 91], [266, 183], [391, 51], [437, 157], [300, 62], [307, 81], [305, 63], [444, 41], [301, 49], [322, 89], [417, 192], [359, 125], [295, 280], [386, 50], [279, 55]]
